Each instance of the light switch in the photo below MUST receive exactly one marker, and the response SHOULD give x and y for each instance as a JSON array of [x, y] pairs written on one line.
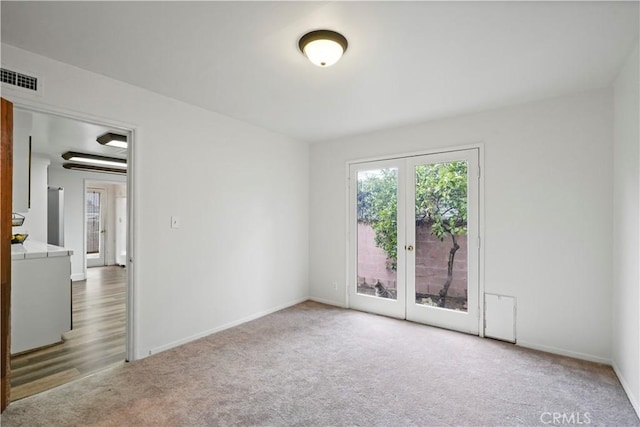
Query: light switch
[[175, 222]]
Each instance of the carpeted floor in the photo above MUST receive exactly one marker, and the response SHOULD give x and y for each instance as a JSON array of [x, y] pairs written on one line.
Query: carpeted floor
[[315, 365]]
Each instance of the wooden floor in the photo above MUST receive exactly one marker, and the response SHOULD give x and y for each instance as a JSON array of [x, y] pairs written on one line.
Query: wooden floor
[[96, 341]]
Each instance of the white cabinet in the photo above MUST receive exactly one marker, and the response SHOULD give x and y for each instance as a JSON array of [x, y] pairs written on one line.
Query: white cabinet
[[40, 295]]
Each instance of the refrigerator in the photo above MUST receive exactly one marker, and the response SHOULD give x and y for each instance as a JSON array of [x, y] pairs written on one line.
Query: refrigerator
[[55, 216]]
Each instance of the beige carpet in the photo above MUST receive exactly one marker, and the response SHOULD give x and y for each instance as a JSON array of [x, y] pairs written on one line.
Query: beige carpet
[[314, 365]]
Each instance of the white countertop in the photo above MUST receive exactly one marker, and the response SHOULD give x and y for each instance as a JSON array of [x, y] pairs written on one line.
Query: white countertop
[[33, 249]]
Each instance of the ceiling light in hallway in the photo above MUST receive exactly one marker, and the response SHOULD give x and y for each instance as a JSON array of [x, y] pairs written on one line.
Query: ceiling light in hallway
[[113, 140]]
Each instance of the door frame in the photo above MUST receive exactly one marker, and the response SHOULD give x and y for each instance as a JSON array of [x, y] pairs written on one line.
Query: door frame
[[457, 320], [384, 306], [481, 216], [33, 105], [6, 183]]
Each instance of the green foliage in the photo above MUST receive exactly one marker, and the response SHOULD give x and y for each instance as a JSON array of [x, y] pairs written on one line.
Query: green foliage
[[441, 202], [441, 197], [378, 206]]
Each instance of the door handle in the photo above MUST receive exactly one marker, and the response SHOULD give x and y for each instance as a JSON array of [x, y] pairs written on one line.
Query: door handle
[[409, 248]]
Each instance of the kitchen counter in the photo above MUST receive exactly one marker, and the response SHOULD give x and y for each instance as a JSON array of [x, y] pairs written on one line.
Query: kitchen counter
[[34, 249], [40, 295]]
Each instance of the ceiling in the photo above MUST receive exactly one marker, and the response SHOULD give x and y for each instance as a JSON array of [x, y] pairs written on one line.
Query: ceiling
[[407, 62], [51, 136]]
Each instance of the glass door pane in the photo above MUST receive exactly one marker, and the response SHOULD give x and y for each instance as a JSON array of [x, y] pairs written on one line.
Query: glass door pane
[[95, 200], [93, 222], [377, 231], [441, 235]]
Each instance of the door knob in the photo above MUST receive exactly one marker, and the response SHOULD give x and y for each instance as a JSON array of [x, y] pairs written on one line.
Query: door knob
[[409, 248]]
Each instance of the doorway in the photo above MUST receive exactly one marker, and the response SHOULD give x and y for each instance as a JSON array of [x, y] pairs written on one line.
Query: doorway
[[414, 233], [105, 218], [102, 314]]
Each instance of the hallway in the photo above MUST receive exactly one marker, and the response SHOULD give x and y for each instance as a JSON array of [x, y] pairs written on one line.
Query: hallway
[[96, 341]]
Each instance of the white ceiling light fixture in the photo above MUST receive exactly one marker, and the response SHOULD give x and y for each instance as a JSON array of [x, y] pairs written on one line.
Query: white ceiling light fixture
[[94, 159], [323, 47], [113, 140]]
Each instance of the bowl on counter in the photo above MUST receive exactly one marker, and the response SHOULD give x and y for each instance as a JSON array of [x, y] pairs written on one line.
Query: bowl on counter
[[17, 220], [18, 238]]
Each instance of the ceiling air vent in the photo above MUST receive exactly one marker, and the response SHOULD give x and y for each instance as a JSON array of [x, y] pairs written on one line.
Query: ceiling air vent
[[17, 79]]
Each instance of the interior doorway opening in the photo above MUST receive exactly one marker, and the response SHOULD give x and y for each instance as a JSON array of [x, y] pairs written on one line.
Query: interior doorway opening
[[105, 223], [101, 312]]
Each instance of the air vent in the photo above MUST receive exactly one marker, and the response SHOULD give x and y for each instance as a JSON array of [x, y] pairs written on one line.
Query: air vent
[[18, 79]]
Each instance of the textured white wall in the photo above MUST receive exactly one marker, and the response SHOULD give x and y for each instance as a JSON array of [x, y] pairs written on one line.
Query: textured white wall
[[626, 229], [115, 191], [35, 223], [547, 210], [22, 124], [240, 191]]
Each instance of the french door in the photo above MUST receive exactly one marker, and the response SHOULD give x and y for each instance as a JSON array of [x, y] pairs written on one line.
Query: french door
[[413, 247], [95, 199]]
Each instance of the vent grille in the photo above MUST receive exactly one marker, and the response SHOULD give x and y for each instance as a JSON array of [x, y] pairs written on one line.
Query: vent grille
[[18, 79]]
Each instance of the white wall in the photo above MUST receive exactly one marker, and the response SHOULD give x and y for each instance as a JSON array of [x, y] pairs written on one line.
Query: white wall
[[120, 226], [73, 183], [547, 207], [22, 124], [626, 230], [240, 191], [114, 192], [35, 216], [36, 219]]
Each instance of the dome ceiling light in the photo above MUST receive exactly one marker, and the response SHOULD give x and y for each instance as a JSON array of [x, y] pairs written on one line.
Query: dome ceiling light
[[323, 47]]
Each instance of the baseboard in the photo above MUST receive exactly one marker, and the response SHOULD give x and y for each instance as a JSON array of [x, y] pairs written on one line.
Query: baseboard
[[78, 277], [221, 328], [625, 385], [328, 302], [563, 352]]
